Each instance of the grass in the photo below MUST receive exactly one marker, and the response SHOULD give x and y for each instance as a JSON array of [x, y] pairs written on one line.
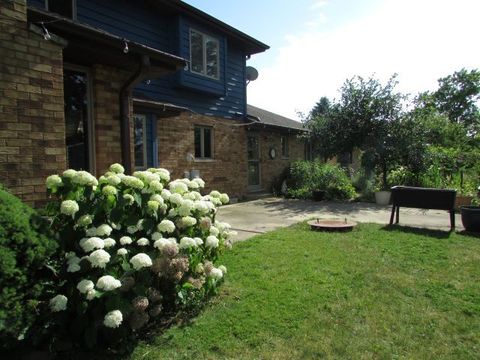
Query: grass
[[374, 293]]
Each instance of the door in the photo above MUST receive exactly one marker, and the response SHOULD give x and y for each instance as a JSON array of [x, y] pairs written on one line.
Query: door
[[78, 123], [253, 153]]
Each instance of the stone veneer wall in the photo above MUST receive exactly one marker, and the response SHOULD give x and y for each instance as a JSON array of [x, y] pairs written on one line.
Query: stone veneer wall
[[32, 126]]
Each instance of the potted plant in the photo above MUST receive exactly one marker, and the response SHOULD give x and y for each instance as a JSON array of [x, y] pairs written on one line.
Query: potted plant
[[471, 215], [382, 196]]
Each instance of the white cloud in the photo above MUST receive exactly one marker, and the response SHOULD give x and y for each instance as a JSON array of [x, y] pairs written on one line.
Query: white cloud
[[421, 40], [318, 4]]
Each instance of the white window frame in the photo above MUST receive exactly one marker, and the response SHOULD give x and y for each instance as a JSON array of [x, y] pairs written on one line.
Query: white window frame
[[284, 140], [202, 142], [143, 117], [74, 8], [205, 38]]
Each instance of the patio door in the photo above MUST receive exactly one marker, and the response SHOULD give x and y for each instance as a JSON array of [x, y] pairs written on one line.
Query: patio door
[[78, 118], [253, 156]]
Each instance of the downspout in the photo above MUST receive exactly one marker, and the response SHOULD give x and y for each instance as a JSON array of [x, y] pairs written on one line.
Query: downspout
[[125, 92]]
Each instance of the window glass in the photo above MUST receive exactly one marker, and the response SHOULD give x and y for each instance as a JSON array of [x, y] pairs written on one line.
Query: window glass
[[284, 142], [203, 142], [61, 7], [198, 142], [196, 52], [207, 143], [139, 141], [204, 54]]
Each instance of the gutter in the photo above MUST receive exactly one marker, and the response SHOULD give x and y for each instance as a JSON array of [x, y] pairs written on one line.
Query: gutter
[[125, 94]]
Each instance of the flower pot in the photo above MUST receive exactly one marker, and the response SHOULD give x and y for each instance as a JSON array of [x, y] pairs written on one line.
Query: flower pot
[[471, 218], [382, 197]]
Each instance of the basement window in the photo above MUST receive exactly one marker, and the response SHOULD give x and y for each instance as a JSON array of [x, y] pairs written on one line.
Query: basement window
[[203, 142], [204, 54], [65, 8]]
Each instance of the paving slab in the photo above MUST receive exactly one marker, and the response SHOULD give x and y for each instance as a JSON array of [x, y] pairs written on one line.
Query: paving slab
[[260, 216]]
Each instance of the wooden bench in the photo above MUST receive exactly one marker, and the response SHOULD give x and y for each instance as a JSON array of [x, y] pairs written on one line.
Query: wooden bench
[[423, 198]]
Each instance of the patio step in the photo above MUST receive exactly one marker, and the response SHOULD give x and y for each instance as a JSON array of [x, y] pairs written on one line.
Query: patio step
[[255, 195]]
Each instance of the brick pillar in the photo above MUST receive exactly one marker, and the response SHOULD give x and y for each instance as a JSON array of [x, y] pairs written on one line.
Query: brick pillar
[[32, 125]]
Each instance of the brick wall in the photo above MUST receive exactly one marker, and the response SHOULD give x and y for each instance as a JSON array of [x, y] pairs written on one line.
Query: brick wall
[[271, 169], [107, 82], [32, 130], [227, 171]]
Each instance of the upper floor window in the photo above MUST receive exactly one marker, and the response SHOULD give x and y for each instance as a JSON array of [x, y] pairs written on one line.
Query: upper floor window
[[204, 54], [284, 143], [66, 8], [203, 142]]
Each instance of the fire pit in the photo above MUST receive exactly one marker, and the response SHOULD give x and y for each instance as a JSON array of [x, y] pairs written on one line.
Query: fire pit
[[332, 225]]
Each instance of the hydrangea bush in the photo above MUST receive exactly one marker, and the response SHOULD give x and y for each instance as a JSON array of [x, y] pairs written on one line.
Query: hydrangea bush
[[135, 248]]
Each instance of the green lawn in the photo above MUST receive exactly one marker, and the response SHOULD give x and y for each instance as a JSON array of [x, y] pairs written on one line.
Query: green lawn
[[371, 293]]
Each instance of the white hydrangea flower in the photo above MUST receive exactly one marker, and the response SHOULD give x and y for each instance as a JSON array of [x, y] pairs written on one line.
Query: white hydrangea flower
[[161, 243], [99, 258], [193, 185], [153, 205], [223, 269], [84, 178], [125, 240], [53, 181], [143, 242], [185, 208], [133, 182], [117, 168], [89, 244], [122, 252], [58, 303], [109, 190], [222, 226], [164, 174], [129, 199], [69, 207], [132, 229], [187, 221], [91, 231], [214, 231], [109, 242], [230, 233], [84, 220], [216, 201], [70, 173], [104, 230], [215, 194], [224, 199], [165, 194], [211, 242], [156, 236], [113, 180], [85, 286], [116, 226], [156, 185], [172, 213], [108, 283], [91, 294], [201, 206], [166, 226], [158, 198], [113, 319], [187, 242], [73, 263], [200, 268], [198, 241], [199, 182], [216, 274], [140, 261], [178, 187], [176, 199]]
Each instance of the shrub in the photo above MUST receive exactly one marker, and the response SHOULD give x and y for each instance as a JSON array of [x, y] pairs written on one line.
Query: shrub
[[308, 176], [364, 185], [135, 248], [24, 252]]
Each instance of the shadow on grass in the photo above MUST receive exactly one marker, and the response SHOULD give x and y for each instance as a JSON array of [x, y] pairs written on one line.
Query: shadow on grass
[[470, 234], [439, 234]]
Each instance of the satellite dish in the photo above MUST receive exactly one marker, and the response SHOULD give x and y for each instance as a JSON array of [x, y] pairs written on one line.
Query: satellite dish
[[251, 74]]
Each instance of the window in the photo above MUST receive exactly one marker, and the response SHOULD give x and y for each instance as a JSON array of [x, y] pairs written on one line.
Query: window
[[66, 8], [284, 143], [203, 142], [140, 140], [204, 54]]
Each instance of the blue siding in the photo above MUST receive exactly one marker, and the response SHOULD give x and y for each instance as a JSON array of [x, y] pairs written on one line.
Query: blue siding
[[140, 22], [37, 3]]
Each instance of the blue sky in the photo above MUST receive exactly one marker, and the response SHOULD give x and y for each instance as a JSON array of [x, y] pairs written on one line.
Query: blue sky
[[317, 44]]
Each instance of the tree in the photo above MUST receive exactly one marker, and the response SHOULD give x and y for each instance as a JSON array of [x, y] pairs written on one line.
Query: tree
[[321, 108]]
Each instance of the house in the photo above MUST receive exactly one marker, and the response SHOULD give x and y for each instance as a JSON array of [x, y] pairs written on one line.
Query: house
[[145, 83]]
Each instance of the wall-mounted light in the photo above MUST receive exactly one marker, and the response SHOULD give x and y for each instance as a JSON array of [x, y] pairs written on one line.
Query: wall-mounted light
[[125, 47], [46, 34]]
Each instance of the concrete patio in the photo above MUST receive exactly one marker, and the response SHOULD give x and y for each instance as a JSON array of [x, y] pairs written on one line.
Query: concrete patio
[[259, 216]]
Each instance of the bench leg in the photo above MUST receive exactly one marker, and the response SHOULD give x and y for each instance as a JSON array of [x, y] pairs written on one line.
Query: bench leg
[[452, 220], [398, 215], [393, 213]]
